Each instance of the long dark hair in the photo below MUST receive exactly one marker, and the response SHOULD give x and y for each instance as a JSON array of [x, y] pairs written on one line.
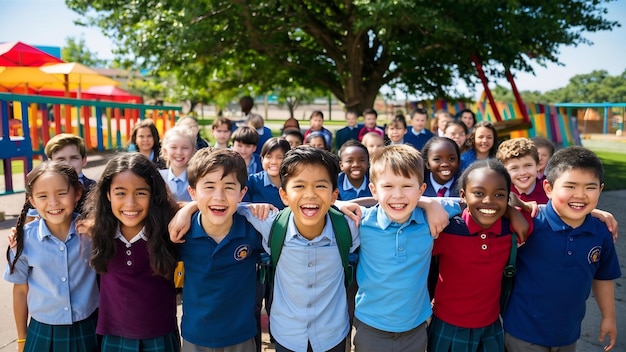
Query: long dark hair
[[64, 170], [162, 209]]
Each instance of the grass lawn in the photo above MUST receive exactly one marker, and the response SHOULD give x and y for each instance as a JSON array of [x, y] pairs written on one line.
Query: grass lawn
[[18, 166], [614, 170]]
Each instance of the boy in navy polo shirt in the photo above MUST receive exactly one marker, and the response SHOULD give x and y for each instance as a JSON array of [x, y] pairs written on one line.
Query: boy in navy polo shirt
[[570, 254], [220, 254]]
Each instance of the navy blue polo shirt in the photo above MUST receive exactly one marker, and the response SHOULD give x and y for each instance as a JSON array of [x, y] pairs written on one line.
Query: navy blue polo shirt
[[555, 270], [220, 284], [262, 190]]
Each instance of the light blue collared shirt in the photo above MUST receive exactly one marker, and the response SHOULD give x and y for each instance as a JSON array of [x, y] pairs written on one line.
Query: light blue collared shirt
[[61, 285], [180, 194], [309, 294], [392, 272]]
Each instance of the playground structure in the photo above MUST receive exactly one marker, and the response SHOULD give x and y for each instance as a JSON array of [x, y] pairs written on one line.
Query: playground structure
[[29, 121]]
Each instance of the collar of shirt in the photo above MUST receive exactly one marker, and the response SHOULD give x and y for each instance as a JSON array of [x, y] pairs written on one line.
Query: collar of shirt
[[172, 177], [473, 227], [417, 216], [555, 222], [347, 185], [151, 155], [44, 231], [140, 236], [532, 189], [327, 235], [417, 133], [260, 131], [436, 185], [266, 180]]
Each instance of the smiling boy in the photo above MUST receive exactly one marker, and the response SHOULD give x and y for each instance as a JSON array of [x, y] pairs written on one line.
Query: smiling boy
[[220, 254], [353, 181], [520, 158], [570, 254]]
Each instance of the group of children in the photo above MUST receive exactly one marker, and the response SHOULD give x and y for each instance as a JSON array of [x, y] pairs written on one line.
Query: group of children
[[565, 251]]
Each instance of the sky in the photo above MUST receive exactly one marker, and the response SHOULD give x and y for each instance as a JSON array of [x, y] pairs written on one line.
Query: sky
[[49, 22]]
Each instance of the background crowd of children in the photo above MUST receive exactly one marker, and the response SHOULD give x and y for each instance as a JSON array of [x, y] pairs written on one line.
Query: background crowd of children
[[113, 290]]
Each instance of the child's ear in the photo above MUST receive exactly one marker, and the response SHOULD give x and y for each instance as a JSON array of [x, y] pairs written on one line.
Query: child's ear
[[335, 195], [84, 161], [243, 193], [283, 196], [462, 195], [547, 188], [373, 190], [192, 192]]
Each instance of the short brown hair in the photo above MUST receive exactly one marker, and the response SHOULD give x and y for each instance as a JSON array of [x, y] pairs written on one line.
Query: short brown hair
[[206, 160], [246, 135], [401, 159], [517, 148], [62, 140]]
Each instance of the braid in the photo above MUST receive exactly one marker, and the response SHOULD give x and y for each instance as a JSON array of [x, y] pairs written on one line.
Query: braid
[[19, 237]]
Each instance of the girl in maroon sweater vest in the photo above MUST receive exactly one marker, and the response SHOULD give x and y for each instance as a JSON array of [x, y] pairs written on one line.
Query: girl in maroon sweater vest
[[134, 257]]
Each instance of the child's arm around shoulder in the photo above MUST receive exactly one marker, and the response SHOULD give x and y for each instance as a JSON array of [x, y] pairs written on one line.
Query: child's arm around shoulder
[[181, 222], [438, 211]]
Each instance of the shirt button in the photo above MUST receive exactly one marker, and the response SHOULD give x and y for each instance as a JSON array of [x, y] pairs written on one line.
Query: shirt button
[[128, 245], [64, 279], [569, 252], [61, 248], [66, 309], [310, 286], [484, 247], [571, 239], [129, 263], [483, 236], [310, 265], [128, 252], [400, 249], [308, 305], [400, 232], [308, 326]]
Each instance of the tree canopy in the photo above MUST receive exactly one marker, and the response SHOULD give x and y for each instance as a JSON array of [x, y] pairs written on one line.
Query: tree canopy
[[75, 50], [350, 48]]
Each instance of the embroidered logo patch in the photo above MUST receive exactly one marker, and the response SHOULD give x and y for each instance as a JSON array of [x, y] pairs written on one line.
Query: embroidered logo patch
[[594, 254], [241, 252]]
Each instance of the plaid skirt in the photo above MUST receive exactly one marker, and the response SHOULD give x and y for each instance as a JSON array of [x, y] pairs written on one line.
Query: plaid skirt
[[167, 343], [78, 337], [443, 337]]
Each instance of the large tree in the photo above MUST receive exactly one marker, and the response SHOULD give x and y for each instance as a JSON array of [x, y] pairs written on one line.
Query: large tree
[[350, 48]]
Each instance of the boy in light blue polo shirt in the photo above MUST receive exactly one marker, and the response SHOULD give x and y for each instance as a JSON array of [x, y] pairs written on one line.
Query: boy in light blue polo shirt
[[392, 303]]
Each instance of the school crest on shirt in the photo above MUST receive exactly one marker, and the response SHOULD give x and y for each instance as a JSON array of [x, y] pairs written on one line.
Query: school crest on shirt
[[241, 252], [594, 254]]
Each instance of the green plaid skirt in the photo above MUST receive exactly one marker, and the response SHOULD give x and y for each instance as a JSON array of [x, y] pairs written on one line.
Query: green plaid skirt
[[78, 337], [167, 343], [443, 337]]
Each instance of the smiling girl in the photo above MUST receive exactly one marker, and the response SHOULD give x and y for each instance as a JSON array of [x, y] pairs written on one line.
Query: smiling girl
[[482, 144], [134, 257], [53, 283], [178, 148]]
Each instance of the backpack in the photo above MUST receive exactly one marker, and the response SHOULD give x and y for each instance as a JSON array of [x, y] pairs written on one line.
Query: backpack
[[509, 273], [278, 233]]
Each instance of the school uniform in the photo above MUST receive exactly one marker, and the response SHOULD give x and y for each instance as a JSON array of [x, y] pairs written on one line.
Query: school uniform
[[309, 305], [178, 185], [537, 194], [255, 164], [220, 284], [434, 189], [555, 269], [262, 190], [347, 191], [201, 142], [62, 291], [393, 266], [345, 134], [467, 296], [264, 134], [417, 138], [137, 306]]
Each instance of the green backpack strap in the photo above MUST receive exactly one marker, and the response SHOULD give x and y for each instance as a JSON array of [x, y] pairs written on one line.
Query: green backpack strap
[[343, 236], [278, 232], [509, 273]]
